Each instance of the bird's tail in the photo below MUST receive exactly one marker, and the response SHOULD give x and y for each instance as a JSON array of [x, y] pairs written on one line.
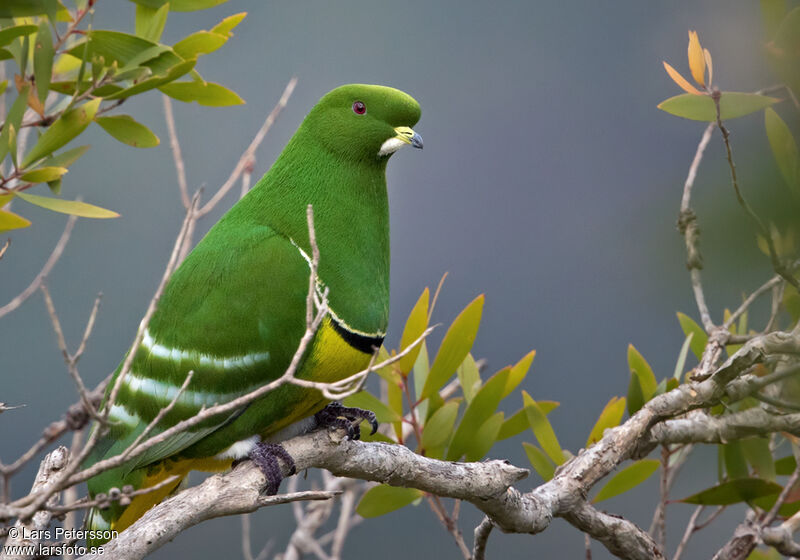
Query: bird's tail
[[105, 523]]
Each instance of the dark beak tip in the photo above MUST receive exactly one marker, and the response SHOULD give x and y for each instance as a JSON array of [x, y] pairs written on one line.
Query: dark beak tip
[[416, 141]]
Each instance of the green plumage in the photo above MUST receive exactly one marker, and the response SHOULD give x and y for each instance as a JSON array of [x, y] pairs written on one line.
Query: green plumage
[[234, 311]]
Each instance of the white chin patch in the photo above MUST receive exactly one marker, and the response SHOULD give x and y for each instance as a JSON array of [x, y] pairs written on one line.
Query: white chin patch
[[391, 146]]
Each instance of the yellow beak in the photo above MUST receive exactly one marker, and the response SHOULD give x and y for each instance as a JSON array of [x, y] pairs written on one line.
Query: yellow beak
[[408, 136]]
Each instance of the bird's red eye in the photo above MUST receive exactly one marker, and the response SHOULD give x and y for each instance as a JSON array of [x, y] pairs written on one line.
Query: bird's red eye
[[359, 108]]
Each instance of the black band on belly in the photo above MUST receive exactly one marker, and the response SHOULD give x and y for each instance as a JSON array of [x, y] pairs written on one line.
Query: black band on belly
[[360, 342]]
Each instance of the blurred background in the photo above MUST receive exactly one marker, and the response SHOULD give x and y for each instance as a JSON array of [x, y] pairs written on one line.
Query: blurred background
[[549, 181]]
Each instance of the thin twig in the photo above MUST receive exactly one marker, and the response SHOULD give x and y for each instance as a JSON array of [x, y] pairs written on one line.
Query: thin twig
[[691, 527], [177, 156], [248, 154], [687, 224], [58, 250], [779, 267]]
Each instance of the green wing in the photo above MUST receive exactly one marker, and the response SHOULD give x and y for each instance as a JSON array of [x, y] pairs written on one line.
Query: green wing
[[233, 313]]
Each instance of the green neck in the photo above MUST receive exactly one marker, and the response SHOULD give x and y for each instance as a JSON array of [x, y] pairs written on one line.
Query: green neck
[[351, 222]]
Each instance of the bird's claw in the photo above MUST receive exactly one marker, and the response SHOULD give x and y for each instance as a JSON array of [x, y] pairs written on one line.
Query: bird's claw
[[265, 456], [336, 415]]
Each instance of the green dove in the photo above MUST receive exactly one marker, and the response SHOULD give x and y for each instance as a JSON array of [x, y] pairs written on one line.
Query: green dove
[[234, 310]]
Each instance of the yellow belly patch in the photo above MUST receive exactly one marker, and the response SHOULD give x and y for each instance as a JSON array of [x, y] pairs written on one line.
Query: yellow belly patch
[[330, 359]]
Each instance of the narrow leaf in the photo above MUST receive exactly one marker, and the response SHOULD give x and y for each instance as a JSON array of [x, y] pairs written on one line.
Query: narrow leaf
[[540, 462], [759, 455], [150, 21], [702, 108], [697, 62], [609, 418], [681, 363], [518, 422], [227, 25], [199, 43], [416, 324], [8, 34], [384, 499], [784, 148], [485, 437], [9, 221], [44, 174], [699, 336], [64, 129], [734, 492], [455, 346], [543, 430], [128, 131], [682, 82], [483, 405], [628, 478], [518, 372], [204, 93], [639, 366], [439, 427], [73, 207], [43, 53], [470, 377]]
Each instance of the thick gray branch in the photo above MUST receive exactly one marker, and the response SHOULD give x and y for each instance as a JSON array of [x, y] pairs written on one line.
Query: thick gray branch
[[28, 533]]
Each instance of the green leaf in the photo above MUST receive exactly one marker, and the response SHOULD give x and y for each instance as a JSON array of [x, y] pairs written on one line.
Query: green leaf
[[784, 148], [772, 12], [735, 462], [182, 5], [635, 396], [416, 324], [759, 455], [609, 418], [9, 221], [73, 207], [699, 337], [485, 437], [66, 158], [785, 466], [518, 372], [24, 8], [681, 363], [734, 491], [439, 427], [366, 400], [384, 499], [518, 422], [204, 93], [540, 462], [5, 55], [543, 430], [421, 369], [701, 107], [64, 129], [639, 366], [128, 131], [44, 174], [482, 406], [8, 34], [199, 43], [156, 81], [228, 24], [127, 51], [13, 120], [455, 346], [150, 22], [469, 376], [43, 53], [628, 478]]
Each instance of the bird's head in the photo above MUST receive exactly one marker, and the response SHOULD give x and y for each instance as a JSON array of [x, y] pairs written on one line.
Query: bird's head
[[361, 122]]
